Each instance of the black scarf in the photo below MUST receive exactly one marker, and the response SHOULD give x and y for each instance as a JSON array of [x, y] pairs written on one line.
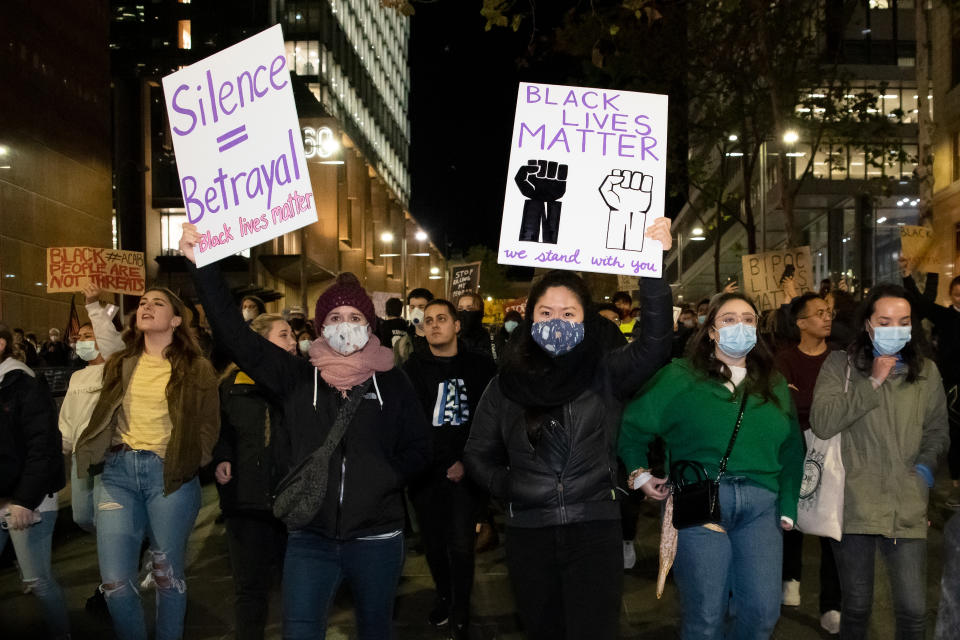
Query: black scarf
[[533, 379]]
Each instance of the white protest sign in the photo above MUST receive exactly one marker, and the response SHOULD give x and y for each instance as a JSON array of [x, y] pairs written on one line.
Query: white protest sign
[[239, 151], [587, 176]]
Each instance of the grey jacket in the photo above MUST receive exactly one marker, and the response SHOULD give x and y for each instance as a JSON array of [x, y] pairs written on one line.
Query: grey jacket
[[886, 431]]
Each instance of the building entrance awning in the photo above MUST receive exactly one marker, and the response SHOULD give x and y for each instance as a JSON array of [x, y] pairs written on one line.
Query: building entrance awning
[[287, 267]]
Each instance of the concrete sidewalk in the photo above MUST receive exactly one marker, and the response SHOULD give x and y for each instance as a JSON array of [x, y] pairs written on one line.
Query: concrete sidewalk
[[210, 589]]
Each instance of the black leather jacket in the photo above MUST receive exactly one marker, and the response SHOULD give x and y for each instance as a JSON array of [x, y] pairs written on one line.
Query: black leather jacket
[[500, 458]]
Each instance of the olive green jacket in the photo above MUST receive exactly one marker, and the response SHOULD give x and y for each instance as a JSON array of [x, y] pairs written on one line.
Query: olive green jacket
[[886, 432], [194, 412]]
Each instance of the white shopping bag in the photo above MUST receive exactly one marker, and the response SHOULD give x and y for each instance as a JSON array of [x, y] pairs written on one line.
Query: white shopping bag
[[820, 509]]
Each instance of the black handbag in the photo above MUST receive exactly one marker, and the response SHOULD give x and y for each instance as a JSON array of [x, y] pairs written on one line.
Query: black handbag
[[696, 498]]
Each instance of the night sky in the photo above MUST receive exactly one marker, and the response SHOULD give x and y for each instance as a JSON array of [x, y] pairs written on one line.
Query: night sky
[[462, 100]]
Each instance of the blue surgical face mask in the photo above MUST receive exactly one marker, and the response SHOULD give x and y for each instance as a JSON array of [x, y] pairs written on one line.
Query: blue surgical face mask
[[737, 341], [702, 320], [510, 325], [557, 336], [888, 341]]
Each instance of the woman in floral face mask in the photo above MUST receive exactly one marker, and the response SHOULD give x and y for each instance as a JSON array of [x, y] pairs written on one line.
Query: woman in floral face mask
[[351, 436], [544, 441]]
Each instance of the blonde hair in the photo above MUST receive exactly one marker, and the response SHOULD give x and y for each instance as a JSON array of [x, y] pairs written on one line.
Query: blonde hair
[[264, 322]]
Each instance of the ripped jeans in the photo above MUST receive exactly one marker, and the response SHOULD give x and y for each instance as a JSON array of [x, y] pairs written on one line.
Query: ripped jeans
[[32, 548], [130, 504]]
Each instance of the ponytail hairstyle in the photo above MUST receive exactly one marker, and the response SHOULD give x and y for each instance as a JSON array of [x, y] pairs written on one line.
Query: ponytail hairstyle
[[181, 352], [701, 351]]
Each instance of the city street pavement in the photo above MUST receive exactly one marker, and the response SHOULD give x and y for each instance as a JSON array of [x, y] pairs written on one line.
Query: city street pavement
[[210, 590]]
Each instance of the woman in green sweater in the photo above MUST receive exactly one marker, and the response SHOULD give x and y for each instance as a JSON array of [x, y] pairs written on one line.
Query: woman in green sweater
[[693, 405]]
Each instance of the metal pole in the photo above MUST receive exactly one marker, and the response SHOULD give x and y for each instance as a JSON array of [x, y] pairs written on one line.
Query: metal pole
[[403, 261], [303, 270]]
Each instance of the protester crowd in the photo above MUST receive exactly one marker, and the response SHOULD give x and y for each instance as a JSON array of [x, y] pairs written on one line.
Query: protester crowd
[[331, 439]]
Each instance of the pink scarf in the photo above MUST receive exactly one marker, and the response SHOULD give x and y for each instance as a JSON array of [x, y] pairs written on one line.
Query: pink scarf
[[345, 372]]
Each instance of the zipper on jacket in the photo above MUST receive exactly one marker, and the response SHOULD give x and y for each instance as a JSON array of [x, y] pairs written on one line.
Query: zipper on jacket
[[343, 473], [563, 506]]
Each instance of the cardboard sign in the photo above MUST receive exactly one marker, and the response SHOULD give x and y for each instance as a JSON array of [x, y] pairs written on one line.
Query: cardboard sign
[[762, 273], [464, 278], [587, 176], [919, 245], [239, 149], [72, 268]]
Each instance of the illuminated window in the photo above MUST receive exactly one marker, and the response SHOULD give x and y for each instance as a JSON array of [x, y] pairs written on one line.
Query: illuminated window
[[183, 34]]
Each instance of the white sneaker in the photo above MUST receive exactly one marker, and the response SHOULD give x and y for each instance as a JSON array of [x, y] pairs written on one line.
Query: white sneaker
[[791, 593], [629, 554], [830, 621]]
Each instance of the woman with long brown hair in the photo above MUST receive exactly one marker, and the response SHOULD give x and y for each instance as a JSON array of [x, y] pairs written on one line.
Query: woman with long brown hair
[[153, 428], [696, 404]]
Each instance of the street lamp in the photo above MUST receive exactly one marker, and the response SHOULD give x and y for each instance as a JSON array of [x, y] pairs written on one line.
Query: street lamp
[[732, 137], [791, 137]]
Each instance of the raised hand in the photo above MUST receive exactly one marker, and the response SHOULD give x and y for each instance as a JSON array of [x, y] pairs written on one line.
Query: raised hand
[[188, 240], [542, 181], [91, 292], [625, 190], [659, 230]]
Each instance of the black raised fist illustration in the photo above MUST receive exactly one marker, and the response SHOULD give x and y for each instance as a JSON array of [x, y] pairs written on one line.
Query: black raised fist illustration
[[542, 182]]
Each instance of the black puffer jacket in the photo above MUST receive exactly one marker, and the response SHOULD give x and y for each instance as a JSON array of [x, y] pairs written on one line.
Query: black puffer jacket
[[248, 420], [500, 457], [31, 458], [386, 444]]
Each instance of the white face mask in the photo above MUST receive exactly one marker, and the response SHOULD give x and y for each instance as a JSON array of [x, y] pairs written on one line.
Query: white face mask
[[346, 337], [87, 350], [416, 316], [304, 346], [249, 314]]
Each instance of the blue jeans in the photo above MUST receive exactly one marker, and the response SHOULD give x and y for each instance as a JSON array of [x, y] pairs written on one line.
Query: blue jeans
[[81, 498], [32, 548], [315, 566], [729, 583], [130, 505], [906, 560]]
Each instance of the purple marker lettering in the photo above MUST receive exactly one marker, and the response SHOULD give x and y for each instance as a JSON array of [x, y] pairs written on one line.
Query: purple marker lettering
[[279, 64], [184, 111]]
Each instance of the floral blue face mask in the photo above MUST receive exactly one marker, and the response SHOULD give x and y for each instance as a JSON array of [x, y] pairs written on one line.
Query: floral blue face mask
[[738, 340], [889, 341], [557, 336]]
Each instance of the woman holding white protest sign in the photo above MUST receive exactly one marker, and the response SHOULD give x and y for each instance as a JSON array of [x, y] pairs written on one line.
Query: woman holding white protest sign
[[352, 434], [887, 400], [544, 441], [152, 429]]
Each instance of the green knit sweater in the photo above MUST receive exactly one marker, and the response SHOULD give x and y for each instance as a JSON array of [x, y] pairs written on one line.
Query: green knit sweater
[[695, 416]]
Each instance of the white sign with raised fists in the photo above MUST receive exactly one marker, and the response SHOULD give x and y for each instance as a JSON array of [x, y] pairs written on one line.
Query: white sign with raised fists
[[586, 178]]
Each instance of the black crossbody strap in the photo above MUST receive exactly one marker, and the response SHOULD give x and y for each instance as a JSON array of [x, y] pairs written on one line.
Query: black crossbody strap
[[733, 438]]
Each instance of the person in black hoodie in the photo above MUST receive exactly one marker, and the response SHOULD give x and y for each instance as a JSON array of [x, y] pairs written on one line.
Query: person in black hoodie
[[544, 440], [473, 335], [449, 380], [244, 474], [349, 524], [31, 473]]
